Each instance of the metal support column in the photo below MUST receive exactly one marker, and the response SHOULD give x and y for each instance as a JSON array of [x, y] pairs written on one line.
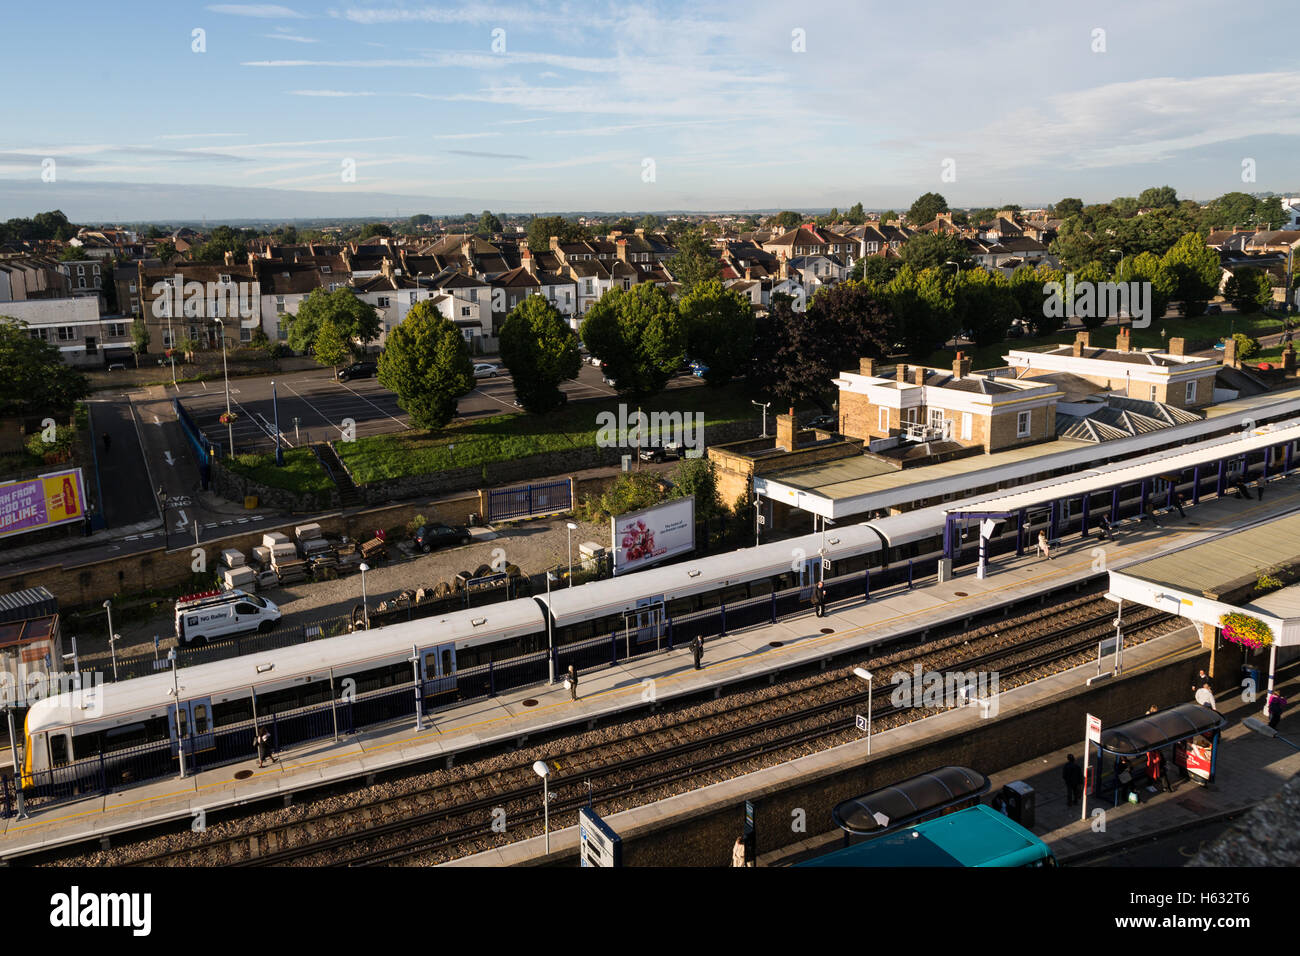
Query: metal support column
[[1083, 530], [1020, 533], [1196, 484], [1218, 487]]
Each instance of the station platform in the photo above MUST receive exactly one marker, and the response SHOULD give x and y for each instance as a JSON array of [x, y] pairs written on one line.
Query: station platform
[[655, 678]]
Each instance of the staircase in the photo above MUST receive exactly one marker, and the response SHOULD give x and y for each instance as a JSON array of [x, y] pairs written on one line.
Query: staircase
[[349, 497]]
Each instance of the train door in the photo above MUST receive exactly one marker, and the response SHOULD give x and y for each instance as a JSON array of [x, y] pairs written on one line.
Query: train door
[[647, 622], [809, 570], [439, 670], [191, 721]]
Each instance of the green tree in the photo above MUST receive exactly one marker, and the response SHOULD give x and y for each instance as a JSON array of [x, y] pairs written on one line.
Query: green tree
[[785, 221], [875, 270], [331, 345], [1068, 207], [638, 334], [541, 351], [426, 362], [165, 252], [887, 215], [1249, 290], [371, 229], [649, 222], [1147, 267], [719, 329], [1158, 196], [692, 264], [856, 215], [355, 318], [488, 224], [698, 477], [223, 240], [931, 249], [418, 222], [1195, 269], [1043, 322], [984, 305], [1246, 346], [926, 208], [542, 228], [1095, 274], [139, 339], [624, 225], [34, 381], [73, 254]]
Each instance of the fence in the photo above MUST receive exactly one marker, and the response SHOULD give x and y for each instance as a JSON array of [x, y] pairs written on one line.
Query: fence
[[349, 713], [524, 501], [198, 441]]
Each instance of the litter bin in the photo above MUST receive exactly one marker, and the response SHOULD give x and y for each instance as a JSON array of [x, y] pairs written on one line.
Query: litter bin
[[1020, 799], [1252, 674]]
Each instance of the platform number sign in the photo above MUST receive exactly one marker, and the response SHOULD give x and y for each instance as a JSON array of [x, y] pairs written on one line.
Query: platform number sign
[[862, 723], [598, 843]]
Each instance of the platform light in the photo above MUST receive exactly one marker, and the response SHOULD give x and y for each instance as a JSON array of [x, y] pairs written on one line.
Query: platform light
[[542, 770]]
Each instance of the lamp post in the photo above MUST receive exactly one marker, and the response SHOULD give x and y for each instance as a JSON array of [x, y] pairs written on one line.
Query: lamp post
[[572, 528], [550, 643], [13, 752], [764, 406], [365, 608], [1259, 727], [176, 696], [171, 340], [542, 770], [863, 674], [275, 407], [225, 374], [112, 638]]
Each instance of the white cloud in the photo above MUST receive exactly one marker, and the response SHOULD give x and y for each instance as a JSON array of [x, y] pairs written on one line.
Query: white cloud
[[265, 11], [289, 36]]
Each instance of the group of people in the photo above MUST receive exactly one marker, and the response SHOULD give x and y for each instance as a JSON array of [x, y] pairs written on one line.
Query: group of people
[[571, 675]]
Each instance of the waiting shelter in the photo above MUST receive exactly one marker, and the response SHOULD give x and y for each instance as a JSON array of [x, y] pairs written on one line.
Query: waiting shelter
[[1118, 763], [908, 803]]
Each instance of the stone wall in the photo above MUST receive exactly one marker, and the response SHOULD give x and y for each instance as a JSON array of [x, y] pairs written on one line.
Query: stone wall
[[236, 487]]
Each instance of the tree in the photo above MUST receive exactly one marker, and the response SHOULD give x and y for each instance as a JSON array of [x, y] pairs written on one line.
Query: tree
[[426, 363], [876, 270], [692, 264], [542, 228], [785, 221], [223, 240], [73, 254], [1094, 273], [649, 222], [356, 319], [541, 351], [1147, 267], [488, 224], [926, 209], [698, 477], [331, 345], [34, 381], [371, 229], [1246, 346], [1068, 207], [418, 222], [140, 339], [887, 216], [856, 215], [1195, 269], [1043, 322], [638, 334], [984, 305], [1249, 290], [165, 252], [719, 328], [930, 249], [1158, 196], [624, 225]]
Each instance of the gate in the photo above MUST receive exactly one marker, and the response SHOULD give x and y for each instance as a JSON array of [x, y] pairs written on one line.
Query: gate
[[198, 441], [526, 501]]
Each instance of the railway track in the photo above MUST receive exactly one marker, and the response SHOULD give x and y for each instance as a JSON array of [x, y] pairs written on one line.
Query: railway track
[[446, 818]]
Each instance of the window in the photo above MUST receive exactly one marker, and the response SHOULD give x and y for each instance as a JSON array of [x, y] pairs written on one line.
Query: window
[[98, 282], [81, 282], [568, 297], [1022, 424], [464, 310], [135, 306], [245, 334], [279, 303], [281, 332], [884, 419], [967, 426], [130, 287], [324, 270], [116, 329], [37, 333], [200, 718], [81, 270], [58, 750], [626, 285], [383, 301], [936, 418], [91, 345], [1191, 392], [66, 333], [224, 278], [587, 286], [1153, 393]]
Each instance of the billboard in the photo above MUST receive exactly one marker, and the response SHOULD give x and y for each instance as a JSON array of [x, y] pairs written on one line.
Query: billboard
[[645, 537], [43, 502]]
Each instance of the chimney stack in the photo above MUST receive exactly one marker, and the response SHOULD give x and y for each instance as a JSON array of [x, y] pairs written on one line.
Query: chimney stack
[[1230, 353], [900, 372], [229, 258], [620, 248], [1177, 346], [1082, 340], [785, 431], [867, 366], [919, 375], [960, 366], [1123, 341], [386, 267]]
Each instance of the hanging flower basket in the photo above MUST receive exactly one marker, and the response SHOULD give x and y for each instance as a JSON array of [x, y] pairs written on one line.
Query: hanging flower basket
[[1246, 630], [228, 418]]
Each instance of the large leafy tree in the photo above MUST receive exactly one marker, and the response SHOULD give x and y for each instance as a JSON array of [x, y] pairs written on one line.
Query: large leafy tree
[[785, 220], [542, 228], [1067, 207], [372, 229], [34, 381], [1158, 196], [1249, 290], [926, 208], [698, 477], [984, 305], [876, 270], [331, 345], [488, 224], [541, 351], [930, 249], [922, 309], [1147, 267], [719, 328], [1196, 272], [426, 362], [1094, 273], [224, 240], [638, 334], [856, 215], [357, 319], [1043, 322], [692, 265], [139, 339]]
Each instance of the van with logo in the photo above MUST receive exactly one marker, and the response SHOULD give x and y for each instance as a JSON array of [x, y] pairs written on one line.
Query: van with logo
[[215, 614]]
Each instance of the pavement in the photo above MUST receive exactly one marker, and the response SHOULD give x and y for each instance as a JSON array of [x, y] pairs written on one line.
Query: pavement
[[742, 656]]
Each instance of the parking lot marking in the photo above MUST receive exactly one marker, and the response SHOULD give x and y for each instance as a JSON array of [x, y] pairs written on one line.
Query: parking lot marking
[[373, 405]]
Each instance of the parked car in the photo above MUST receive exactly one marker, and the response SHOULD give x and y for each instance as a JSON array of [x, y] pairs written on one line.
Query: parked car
[[117, 367], [595, 361], [358, 370], [486, 370], [430, 536], [1213, 310], [824, 422]]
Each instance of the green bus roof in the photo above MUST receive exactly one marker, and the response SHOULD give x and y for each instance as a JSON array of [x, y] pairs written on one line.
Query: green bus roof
[[978, 836]]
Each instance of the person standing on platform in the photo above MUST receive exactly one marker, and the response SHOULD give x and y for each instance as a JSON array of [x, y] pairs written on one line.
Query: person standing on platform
[[262, 739], [1201, 680], [1073, 775], [1157, 772], [1205, 696], [1178, 503], [819, 596], [697, 650], [1274, 707], [571, 681], [1044, 549], [738, 851]]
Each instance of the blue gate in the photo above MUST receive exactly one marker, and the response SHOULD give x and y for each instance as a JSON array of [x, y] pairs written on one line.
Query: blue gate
[[524, 501]]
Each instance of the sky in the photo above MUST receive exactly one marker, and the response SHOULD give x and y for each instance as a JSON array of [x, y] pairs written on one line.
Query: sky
[[165, 110]]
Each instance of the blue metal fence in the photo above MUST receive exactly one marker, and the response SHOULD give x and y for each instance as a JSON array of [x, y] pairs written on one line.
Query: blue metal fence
[[198, 441], [533, 499]]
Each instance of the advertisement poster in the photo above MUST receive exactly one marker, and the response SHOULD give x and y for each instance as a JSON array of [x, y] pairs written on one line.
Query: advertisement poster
[[43, 502], [644, 537]]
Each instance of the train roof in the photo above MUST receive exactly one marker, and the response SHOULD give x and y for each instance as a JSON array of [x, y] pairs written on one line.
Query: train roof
[[692, 576], [521, 616]]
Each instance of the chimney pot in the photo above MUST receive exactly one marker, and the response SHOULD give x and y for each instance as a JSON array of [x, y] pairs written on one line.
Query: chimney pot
[[960, 366], [1123, 342], [1177, 346]]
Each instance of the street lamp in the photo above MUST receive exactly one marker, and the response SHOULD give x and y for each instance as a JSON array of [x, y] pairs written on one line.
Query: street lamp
[[542, 770], [275, 407], [822, 552], [176, 695], [1257, 725], [572, 528], [764, 406], [550, 645], [861, 673], [13, 753], [365, 609], [230, 428], [112, 638]]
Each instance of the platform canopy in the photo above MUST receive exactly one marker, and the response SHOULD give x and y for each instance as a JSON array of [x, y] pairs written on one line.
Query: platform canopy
[[894, 806], [1161, 729]]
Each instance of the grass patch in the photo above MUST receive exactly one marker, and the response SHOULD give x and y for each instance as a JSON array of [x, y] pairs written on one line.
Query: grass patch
[[507, 437], [301, 474]]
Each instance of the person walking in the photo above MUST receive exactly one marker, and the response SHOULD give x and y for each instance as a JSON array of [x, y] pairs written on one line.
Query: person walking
[[571, 682], [1107, 530], [262, 741], [819, 596], [1274, 707], [1178, 503], [738, 851], [1072, 773], [1044, 549], [697, 650]]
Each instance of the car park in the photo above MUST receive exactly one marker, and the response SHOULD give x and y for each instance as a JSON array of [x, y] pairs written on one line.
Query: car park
[[486, 370], [430, 536], [358, 370]]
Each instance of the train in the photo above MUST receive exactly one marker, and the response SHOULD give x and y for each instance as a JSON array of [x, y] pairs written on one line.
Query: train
[[478, 652]]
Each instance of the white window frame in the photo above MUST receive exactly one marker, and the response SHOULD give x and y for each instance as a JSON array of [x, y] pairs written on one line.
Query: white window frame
[[382, 301], [1153, 394], [884, 418], [967, 426], [1024, 424], [936, 418], [1191, 392]]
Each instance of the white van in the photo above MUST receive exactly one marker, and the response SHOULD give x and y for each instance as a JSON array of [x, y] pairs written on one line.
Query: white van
[[213, 614]]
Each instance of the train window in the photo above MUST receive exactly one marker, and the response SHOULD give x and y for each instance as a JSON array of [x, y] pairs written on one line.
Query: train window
[[58, 750], [735, 594], [200, 718], [760, 588], [182, 724], [709, 599], [231, 712], [448, 663]]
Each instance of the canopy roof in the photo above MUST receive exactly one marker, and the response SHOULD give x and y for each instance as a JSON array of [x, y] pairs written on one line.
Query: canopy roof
[[899, 804], [1161, 729]]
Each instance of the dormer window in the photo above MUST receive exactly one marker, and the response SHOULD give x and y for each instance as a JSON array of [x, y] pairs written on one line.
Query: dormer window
[[224, 278], [325, 270]]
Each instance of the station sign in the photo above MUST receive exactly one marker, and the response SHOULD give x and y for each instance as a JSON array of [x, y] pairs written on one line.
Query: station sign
[[1094, 729], [598, 843]]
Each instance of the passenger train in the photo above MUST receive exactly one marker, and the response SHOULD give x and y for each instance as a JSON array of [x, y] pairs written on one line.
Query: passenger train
[[480, 651]]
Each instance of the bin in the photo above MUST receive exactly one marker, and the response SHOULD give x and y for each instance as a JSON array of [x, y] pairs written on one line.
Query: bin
[[1020, 798], [1253, 675]]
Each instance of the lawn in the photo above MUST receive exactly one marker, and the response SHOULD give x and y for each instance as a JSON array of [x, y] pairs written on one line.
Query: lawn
[[506, 437], [301, 473]]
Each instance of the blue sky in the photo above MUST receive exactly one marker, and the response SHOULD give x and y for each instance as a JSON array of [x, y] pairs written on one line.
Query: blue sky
[[730, 106]]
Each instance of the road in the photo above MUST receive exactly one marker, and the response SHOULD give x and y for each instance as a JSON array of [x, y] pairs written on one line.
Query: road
[[1178, 849], [123, 473]]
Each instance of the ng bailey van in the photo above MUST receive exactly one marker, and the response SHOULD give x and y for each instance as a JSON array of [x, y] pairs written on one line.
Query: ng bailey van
[[213, 614]]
